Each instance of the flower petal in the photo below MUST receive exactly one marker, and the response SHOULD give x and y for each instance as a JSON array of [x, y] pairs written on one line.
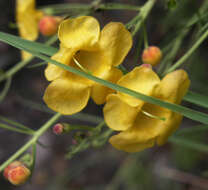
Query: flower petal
[[64, 55], [79, 33], [141, 79], [115, 41], [123, 141], [100, 92], [115, 113], [66, 96], [173, 87], [27, 19]]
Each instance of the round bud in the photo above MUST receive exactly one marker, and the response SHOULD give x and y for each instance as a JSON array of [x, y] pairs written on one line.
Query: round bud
[[58, 129], [17, 173], [48, 25], [152, 55]]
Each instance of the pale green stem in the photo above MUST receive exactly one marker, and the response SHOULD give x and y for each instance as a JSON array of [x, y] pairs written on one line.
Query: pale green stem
[[15, 124], [66, 7], [6, 88], [144, 12], [188, 54], [33, 140], [4, 126], [145, 37], [80, 127]]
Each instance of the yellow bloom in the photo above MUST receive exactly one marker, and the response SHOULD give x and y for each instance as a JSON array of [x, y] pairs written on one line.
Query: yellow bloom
[[97, 51], [126, 114], [27, 21]]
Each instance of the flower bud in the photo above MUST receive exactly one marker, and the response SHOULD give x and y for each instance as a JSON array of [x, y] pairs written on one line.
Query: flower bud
[[152, 55], [48, 25], [16, 173], [61, 128]]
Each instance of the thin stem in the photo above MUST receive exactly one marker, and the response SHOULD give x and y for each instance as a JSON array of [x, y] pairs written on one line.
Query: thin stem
[[188, 54], [33, 140], [15, 124], [145, 37], [4, 126], [6, 89], [144, 11], [80, 127], [60, 8]]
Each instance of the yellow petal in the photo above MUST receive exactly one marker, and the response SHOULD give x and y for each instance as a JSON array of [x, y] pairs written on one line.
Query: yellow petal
[[122, 141], [25, 55], [100, 92], [27, 21], [66, 96], [146, 131], [119, 115], [79, 33], [64, 55], [93, 61], [141, 79], [173, 86], [115, 41], [172, 89]]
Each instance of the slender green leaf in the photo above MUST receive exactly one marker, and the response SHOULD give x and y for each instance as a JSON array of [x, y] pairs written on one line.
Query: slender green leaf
[[187, 112], [33, 46], [196, 98]]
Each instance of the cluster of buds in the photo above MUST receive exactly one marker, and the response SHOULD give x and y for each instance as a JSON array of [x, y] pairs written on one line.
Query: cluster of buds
[[16, 173], [152, 55], [48, 25]]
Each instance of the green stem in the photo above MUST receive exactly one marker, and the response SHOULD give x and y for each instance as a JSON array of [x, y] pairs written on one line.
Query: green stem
[[4, 126], [61, 8], [81, 127], [6, 89], [188, 54], [144, 12], [33, 140], [145, 37], [16, 124]]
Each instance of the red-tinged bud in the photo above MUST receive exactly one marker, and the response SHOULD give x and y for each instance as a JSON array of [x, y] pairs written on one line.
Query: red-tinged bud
[[147, 66], [11, 166], [152, 55], [17, 173], [58, 129], [61, 128], [48, 25]]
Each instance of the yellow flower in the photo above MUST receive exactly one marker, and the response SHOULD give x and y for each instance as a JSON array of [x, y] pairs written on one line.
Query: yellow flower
[[27, 21], [130, 116], [96, 51]]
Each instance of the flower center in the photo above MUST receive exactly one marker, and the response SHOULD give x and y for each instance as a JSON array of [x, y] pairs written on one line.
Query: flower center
[[80, 66], [153, 116]]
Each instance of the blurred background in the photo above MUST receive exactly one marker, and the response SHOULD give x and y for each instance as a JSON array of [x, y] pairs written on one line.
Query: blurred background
[[174, 166]]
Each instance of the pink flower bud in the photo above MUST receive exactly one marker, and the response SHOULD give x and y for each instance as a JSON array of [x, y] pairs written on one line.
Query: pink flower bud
[[16, 173], [58, 129], [48, 25], [152, 55]]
